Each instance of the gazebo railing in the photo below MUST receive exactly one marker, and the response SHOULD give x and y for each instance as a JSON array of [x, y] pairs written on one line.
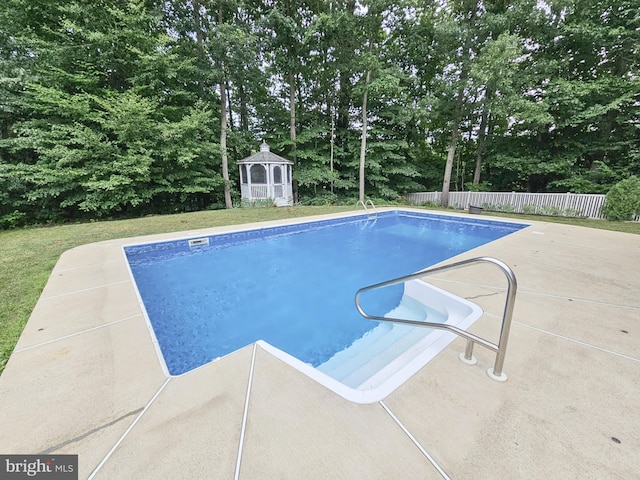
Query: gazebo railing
[[259, 191]]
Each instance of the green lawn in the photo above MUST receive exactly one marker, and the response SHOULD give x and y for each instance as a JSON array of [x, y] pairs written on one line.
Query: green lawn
[[627, 227], [27, 256]]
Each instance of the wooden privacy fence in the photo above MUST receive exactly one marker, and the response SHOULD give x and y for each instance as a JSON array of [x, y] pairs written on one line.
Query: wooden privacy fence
[[562, 204]]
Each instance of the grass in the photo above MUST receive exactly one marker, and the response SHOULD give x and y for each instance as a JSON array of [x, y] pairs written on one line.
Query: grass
[[626, 227], [27, 256]]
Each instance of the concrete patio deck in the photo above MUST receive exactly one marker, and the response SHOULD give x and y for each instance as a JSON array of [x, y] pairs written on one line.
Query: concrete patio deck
[[85, 379]]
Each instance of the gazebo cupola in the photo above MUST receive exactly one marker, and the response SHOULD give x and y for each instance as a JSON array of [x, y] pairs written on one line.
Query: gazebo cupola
[[266, 175]]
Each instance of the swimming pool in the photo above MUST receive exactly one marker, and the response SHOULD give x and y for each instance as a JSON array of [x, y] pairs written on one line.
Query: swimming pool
[[290, 286]]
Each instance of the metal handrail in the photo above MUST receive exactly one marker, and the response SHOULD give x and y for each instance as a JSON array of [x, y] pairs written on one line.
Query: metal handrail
[[500, 348], [370, 202], [364, 205]]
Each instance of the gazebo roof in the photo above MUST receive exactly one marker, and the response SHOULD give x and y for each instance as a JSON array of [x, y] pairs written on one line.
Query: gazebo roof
[[265, 156]]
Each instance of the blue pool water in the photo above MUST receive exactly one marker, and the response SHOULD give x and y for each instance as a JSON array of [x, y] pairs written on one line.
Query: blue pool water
[[291, 286]]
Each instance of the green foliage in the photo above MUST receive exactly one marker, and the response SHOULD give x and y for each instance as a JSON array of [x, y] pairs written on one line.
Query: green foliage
[[104, 129], [323, 198], [258, 203], [480, 187], [498, 207], [547, 210], [572, 212], [550, 210], [12, 220], [112, 108], [623, 200]]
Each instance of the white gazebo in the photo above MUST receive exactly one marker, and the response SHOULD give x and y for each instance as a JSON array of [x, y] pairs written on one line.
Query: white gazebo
[[266, 175]]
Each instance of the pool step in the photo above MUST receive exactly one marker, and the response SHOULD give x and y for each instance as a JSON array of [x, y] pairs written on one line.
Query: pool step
[[380, 346], [355, 357], [336, 363], [385, 358], [343, 363]]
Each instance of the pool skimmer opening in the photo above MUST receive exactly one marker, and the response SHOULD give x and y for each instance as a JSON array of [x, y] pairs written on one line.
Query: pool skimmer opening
[[197, 242]]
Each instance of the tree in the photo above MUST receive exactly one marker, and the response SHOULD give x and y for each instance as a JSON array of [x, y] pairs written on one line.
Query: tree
[[458, 25], [285, 23], [99, 116], [121, 107], [363, 142], [583, 83], [623, 200]]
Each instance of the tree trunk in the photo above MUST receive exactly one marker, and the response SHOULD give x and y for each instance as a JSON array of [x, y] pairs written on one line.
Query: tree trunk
[[363, 139], [343, 112], [229, 106], [333, 128], [292, 127], [292, 108], [197, 20], [451, 153], [482, 135], [223, 128], [223, 145], [472, 9], [244, 115]]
